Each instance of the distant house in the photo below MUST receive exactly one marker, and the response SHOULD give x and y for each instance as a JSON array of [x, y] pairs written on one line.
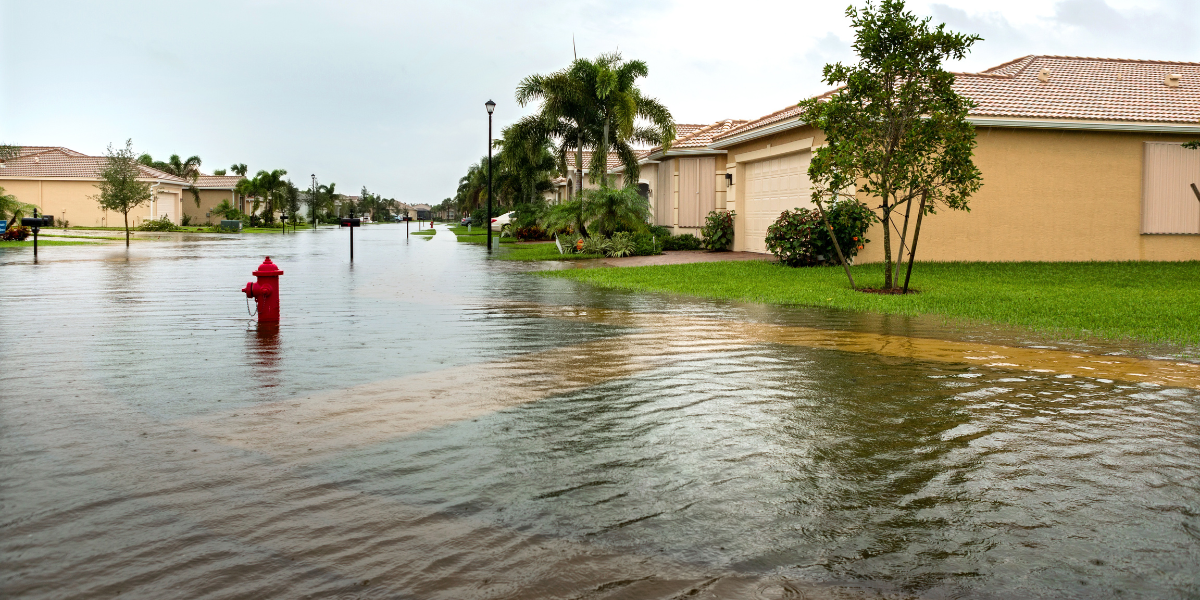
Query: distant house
[[64, 183], [564, 187], [420, 212], [687, 181], [1081, 160], [213, 189]]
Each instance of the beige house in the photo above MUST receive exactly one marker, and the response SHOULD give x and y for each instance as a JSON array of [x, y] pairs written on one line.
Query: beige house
[[687, 181], [64, 183], [213, 190], [1081, 160], [564, 187]]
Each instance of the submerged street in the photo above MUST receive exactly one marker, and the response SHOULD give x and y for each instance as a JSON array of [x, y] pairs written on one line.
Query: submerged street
[[429, 423]]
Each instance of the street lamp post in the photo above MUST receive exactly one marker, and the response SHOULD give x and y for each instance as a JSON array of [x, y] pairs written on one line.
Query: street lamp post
[[312, 201], [487, 219]]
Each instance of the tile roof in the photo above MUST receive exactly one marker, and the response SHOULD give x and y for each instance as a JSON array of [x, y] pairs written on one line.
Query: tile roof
[[52, 161], [699, 137], [614, 160], [686, 129], [1080, 88], [218, 181]]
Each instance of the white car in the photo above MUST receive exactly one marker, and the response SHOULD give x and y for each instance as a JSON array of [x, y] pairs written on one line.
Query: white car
[[499, 222]]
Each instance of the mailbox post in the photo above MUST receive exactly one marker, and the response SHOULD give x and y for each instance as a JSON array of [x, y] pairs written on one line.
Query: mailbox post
[[351, 222], [36, 223]]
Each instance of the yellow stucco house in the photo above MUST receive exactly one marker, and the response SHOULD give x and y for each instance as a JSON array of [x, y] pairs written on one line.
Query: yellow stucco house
[[686, 181], [213, 190], [1081, 160], [63, 183]]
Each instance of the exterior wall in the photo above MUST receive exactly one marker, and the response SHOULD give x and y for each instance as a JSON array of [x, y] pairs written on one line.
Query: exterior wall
[[209, 199], [1047, 195], [72, 199]]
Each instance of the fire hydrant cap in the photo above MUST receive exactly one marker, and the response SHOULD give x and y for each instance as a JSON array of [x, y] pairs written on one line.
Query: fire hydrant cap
[[268, 269]]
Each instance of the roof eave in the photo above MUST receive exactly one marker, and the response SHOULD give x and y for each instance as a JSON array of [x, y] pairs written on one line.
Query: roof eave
[[755, 134], [1034, 123]]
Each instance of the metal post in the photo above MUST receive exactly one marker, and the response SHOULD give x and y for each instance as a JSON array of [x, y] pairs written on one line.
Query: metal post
[[487, 219], [35, 232], [312, 202], [351, 236]]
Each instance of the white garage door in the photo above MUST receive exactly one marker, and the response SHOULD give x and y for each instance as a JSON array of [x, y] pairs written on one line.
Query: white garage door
[[773, 186], [166, 206]]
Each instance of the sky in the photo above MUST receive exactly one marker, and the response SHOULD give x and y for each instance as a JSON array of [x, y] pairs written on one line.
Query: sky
[[390, 95]]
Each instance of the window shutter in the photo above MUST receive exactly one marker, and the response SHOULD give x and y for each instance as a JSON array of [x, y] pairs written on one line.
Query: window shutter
[[1168, 203]]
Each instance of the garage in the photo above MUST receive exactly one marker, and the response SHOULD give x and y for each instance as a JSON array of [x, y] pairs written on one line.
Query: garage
[[773, 186]]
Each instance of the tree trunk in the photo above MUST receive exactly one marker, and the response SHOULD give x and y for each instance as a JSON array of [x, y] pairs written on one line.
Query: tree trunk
[[126, 229], [912, 253], [579, 167], [604, 155], [903, 234], [836, 246], [887, 243]]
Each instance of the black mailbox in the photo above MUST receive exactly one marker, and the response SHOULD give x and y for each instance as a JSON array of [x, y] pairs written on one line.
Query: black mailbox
[[37, 221], [348, 222]]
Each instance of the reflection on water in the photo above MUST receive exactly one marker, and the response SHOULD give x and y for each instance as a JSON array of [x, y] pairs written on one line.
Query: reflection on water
[[430, 425]]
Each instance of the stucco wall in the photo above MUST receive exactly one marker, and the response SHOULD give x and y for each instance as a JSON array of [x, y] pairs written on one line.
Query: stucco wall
[[208, 200], [73, 200], [1047, 195]]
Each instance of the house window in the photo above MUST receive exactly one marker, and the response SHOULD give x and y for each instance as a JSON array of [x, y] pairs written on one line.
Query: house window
[[1168, 203]]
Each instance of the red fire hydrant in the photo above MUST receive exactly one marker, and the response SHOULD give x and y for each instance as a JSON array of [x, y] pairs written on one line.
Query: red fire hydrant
[[265, 291]]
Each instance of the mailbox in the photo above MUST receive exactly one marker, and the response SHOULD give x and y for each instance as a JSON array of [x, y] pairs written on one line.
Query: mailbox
[[37, 221], [351, 222]]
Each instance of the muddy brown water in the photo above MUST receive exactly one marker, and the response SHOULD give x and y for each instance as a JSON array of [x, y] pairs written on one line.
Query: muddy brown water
[[429, 424]]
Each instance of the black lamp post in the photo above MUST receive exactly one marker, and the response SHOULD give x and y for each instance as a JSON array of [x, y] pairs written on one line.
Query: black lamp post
[[312, 201], [487, 219]]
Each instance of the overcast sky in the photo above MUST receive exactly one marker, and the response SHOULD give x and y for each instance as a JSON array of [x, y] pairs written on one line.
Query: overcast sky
[[390, 94]]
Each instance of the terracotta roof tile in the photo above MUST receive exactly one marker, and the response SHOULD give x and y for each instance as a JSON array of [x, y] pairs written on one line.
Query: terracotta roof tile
[[218, 181], [614, 160], [51, 161], [700, 137], [1080, 88]]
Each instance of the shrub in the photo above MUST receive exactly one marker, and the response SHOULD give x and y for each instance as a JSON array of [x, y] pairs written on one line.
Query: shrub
[[596, 244], [646, 244], [15, 233], [186, 220], [686, 241], [717, 233], [799, 237], [160, 224], [621, 244], [530, 232]]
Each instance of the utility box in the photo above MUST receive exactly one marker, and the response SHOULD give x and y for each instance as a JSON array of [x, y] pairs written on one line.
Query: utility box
[[231, 225]]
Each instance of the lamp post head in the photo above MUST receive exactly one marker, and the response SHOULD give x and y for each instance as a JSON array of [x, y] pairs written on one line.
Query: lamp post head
[[490, 106]]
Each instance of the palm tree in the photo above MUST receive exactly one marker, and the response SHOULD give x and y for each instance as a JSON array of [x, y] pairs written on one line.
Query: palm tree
[[611, 210], [612, 84], [12, 210], [239, 168], [248, 188], [329, 196], [269, 184], [188, 169]]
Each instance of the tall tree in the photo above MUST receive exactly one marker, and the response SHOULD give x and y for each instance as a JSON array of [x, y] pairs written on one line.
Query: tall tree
[[329, 197], [120, 189], [269, 184], [612, 84], [187, 169], [896, 130], [239, 168]]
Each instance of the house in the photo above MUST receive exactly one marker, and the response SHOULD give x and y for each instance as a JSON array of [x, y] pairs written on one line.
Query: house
[[64, 183], [213, 190], [1081, 160], [686, 181], [564, 187]]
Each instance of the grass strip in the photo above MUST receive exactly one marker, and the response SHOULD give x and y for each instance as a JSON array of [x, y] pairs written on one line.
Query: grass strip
[[429, 232], [546, 251], [41, 242], [1148, 301]]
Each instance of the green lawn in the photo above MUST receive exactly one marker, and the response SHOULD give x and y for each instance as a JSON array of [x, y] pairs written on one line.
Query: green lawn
[[1149, 301], [41, 242], [546, 251], [426, 231]]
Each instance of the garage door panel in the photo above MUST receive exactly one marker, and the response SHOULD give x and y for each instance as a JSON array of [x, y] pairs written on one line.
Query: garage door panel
[[772, 187]]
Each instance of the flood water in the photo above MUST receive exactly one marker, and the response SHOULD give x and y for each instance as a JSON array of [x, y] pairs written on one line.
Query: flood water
[[426, 423]]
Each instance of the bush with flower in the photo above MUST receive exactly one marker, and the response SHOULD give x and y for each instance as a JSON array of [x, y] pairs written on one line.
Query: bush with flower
[[800, 238]]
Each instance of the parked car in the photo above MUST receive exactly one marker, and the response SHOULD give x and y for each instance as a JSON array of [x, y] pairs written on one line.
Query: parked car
[[499, 222], [466, 221]]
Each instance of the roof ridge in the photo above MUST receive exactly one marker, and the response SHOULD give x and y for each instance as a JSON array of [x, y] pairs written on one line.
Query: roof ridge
[[1028, 58]]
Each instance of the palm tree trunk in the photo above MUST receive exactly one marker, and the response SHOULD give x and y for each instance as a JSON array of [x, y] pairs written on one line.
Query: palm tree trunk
[[604, 154]]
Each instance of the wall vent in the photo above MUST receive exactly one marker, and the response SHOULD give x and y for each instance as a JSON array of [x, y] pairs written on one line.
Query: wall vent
[[1044, 75], [1172, 80]]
